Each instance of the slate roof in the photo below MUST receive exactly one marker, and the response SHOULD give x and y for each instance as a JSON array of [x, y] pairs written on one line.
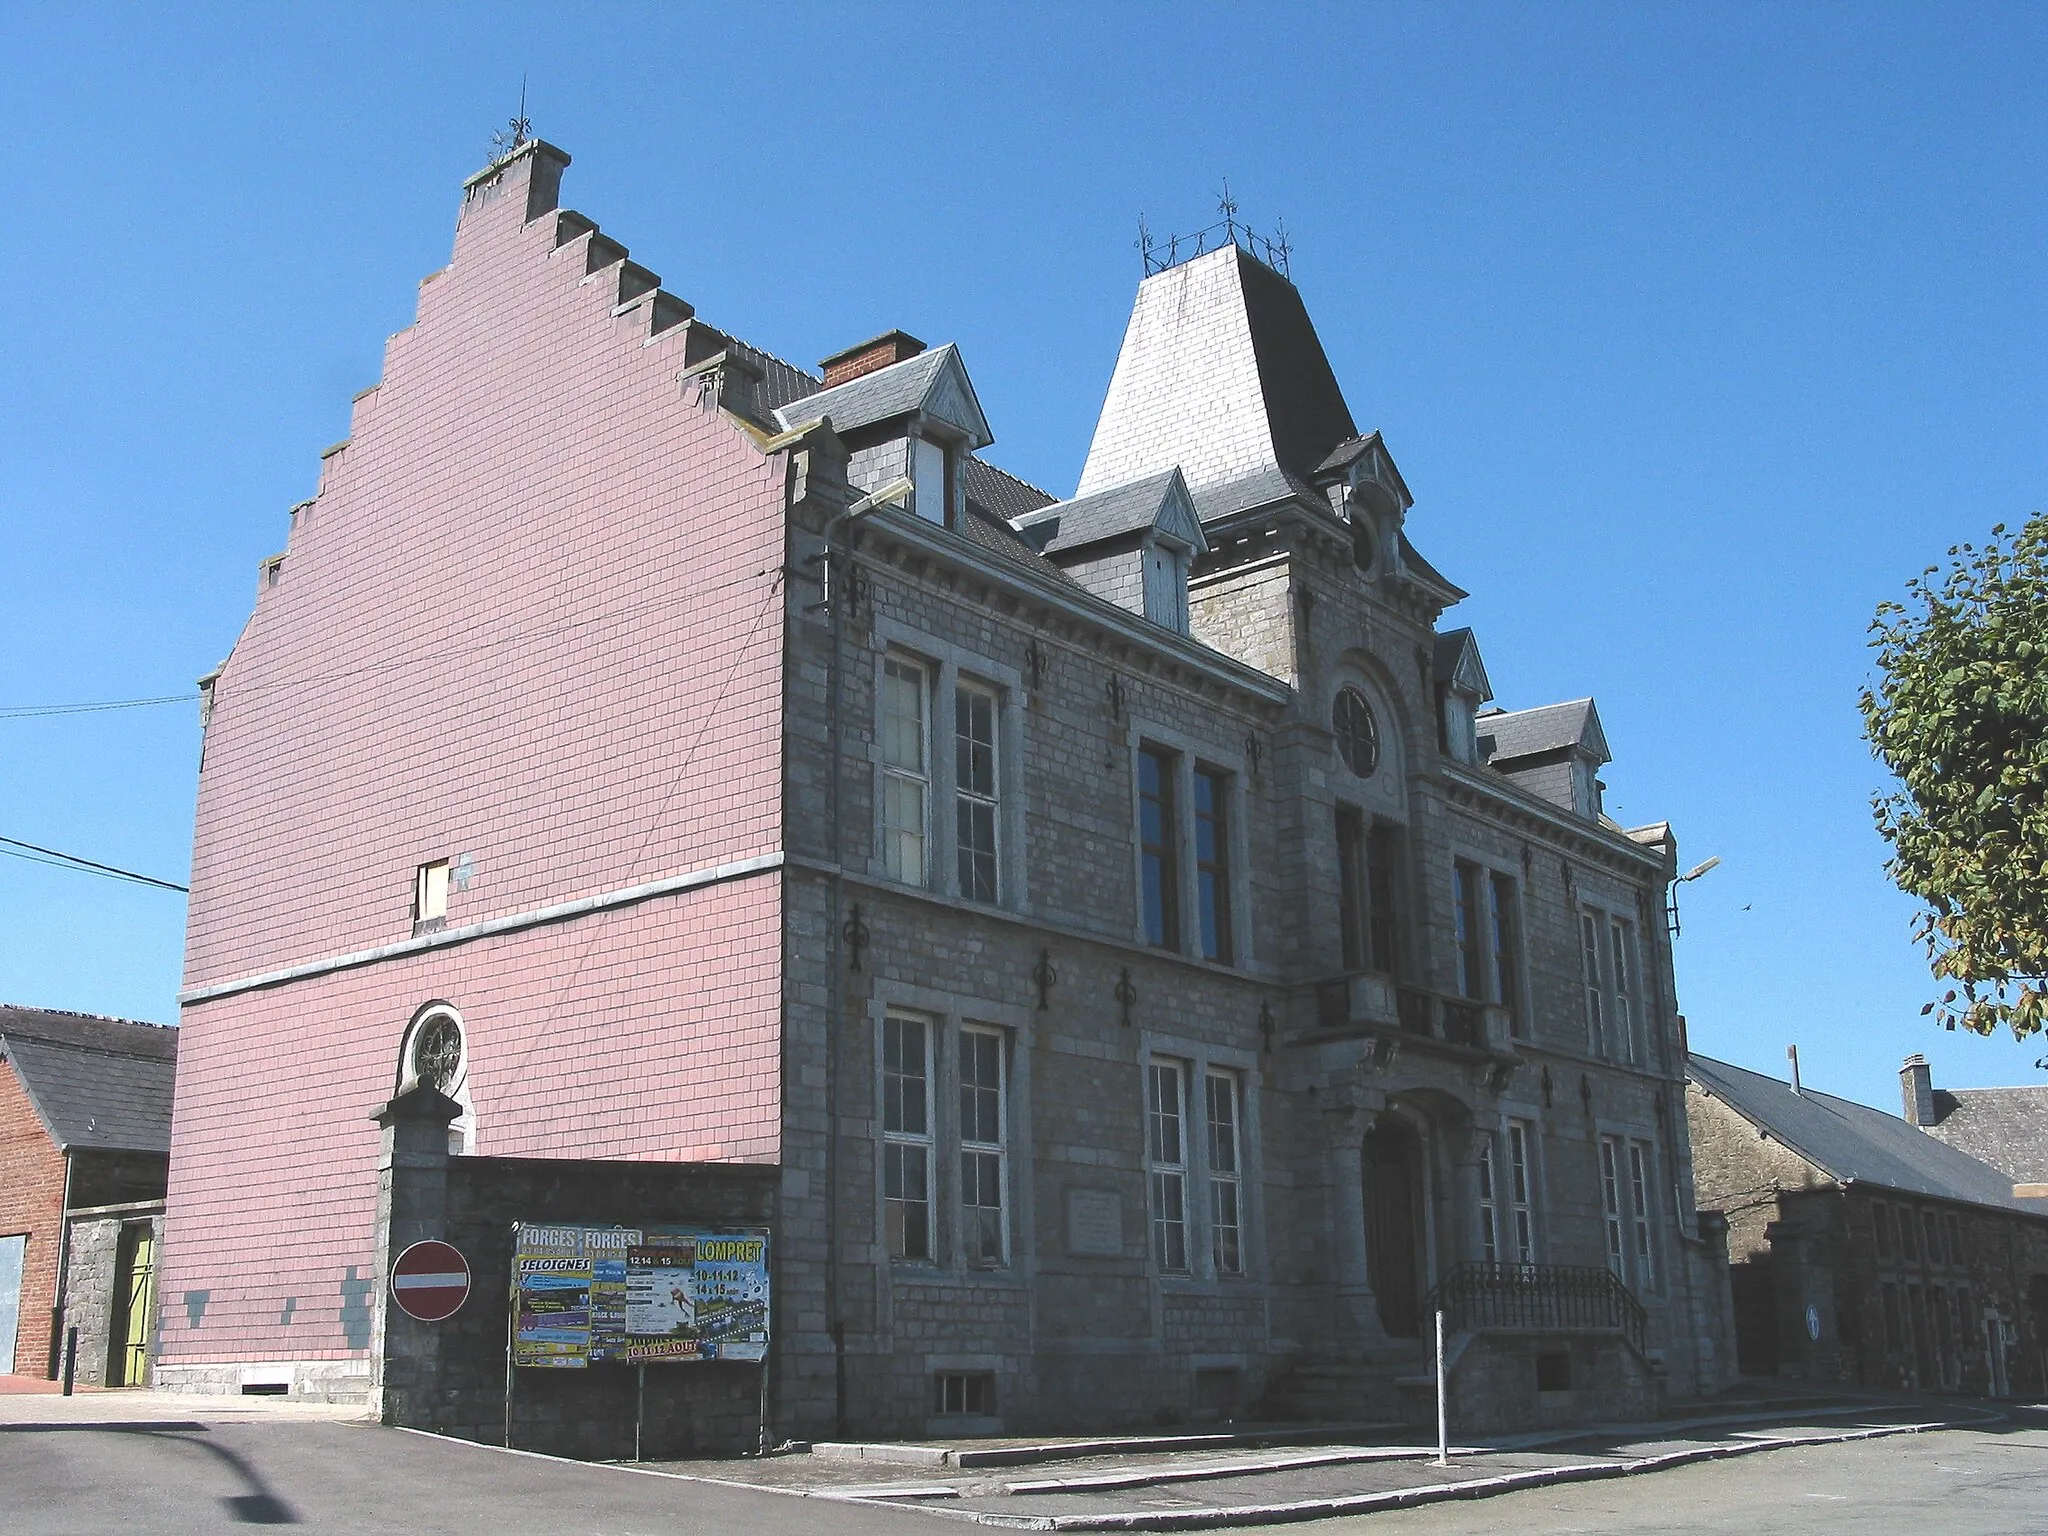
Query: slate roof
[[1111, 514], [96, 1083], [999, 538], [999, 493], [1552, 727], [896, 390], [2005, 1127], [1853, 1143]]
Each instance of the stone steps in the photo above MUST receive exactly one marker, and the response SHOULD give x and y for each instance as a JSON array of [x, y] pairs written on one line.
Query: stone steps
[[1391, 1384]]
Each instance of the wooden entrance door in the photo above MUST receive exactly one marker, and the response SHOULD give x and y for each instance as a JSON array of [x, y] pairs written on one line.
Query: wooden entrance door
[[134, 1307], [1393, 1223]]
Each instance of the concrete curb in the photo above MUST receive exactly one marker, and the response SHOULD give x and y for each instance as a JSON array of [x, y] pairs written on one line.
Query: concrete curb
[[1405, 1498]]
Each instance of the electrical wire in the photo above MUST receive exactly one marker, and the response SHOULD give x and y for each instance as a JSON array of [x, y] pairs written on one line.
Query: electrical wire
[[52, 857]]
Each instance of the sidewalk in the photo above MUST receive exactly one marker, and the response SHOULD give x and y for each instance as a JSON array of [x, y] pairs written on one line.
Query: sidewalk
[[1194, 1482], [29, 1401]]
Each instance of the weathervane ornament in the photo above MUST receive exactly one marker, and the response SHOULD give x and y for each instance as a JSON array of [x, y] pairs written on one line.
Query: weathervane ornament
[[516, 131]]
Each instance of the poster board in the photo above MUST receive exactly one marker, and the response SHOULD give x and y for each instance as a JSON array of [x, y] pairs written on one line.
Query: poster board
[[584, 1296]]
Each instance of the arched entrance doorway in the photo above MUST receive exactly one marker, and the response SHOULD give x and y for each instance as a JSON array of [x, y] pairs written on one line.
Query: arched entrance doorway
[[1394, 1196]]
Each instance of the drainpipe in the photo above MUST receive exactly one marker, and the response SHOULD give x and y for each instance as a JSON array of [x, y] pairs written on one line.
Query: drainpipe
[[894, 493]]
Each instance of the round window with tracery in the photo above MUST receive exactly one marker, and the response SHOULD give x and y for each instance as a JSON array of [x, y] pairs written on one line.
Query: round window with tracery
[[1358, 732], [437, 1051]]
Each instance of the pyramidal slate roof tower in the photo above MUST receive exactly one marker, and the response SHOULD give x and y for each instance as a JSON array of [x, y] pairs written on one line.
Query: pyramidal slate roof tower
[[1221, 375]]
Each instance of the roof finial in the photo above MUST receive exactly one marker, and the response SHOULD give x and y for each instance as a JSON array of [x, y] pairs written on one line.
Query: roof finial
[[516, 131], [1145, 245], [1281, 247], [1227, 206]]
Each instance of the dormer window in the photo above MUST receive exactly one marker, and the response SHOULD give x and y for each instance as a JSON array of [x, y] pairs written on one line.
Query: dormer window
[[932, 471]]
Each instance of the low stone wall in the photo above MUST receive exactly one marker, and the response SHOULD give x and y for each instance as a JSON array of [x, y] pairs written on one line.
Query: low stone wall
[[452, 1377], [1503, 1381]]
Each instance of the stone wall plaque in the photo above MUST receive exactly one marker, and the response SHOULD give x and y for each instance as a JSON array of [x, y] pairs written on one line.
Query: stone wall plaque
[[1095, 1223]]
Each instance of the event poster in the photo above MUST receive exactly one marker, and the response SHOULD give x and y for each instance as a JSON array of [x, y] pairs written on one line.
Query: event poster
[[584, 1296]]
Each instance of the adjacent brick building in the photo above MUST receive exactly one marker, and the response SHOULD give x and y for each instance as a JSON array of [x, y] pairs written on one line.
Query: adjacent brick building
[[85, 1123], [1864, 1250], [1154, 971]]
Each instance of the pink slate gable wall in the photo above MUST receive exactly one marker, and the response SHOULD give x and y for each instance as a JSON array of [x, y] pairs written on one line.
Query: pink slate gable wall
[[532, 617]]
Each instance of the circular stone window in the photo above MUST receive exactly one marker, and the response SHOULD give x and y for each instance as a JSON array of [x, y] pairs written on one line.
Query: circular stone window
[[437, 1052], [1358, 732]]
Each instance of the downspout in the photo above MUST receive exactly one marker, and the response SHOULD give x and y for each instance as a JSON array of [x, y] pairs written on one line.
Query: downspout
[[835, 689]]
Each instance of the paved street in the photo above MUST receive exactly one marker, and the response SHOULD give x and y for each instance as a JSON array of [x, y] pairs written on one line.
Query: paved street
[[127, 1464]]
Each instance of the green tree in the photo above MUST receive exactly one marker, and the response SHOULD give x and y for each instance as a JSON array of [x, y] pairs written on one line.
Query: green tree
[[1960, 716]]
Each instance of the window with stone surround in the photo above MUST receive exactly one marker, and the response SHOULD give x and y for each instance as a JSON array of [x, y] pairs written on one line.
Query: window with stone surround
[[1226, 1172], [906, 769], [1610, 1207], [1640, 1184], [1467, 881], [1167, 1160], [1621, 969], [1504, 913], [1521, 1204], [907, 1135], [1368, 860], [1159, 847], [1589, 973], [1489, 1205], [1212, 863], [976, 774], [984, 1147]]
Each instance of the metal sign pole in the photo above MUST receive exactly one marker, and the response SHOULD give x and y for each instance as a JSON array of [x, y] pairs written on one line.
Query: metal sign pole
[[1443, 1398], [639, 1408], [511, 1331]]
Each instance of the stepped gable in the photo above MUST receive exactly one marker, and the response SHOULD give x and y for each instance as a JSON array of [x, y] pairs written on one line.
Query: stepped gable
[[1222, 375]]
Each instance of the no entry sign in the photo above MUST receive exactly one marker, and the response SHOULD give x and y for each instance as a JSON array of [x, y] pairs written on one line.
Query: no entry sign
[[430, 1281]]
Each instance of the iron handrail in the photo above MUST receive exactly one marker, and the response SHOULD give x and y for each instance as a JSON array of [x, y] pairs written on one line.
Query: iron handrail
[[1547, 1298]]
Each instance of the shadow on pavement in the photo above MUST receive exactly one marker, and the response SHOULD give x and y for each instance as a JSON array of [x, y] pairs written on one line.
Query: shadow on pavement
[[258, 1506]]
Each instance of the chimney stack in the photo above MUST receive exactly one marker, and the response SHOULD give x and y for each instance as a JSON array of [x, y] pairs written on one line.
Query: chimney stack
[[880, 352], [1916, 1086], [1792, 1055]]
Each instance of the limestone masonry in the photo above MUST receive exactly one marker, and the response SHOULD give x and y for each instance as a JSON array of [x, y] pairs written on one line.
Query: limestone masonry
[[1155, 977]]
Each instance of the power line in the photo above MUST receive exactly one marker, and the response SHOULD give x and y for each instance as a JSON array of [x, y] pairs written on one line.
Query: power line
[[29, 711], [73, 861]]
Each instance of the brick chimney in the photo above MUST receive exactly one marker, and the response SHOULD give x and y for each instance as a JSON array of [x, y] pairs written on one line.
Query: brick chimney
[[1916, 1085], [880, 352]]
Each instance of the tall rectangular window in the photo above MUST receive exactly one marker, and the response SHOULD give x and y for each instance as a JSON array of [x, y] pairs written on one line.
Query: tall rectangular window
[[430, 896], [1351, 893], [1489, 1217], [1523, 1228], [1955, 1239], [1639, 1213], [1166, 1149], [1881, 1227], [984, 1148], [975, 789], [1212, 862], [1930, 1229], [1610, 1205], [906, 770], [1589, 963], [1226, 1174], [1506, 915], [1158, 848], [1622, 969], [1909, 1235], [1466, 880], [907, 1136], [1383, 882]]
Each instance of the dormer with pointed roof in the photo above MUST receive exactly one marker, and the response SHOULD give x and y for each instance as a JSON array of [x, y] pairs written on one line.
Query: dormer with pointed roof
[[1555, 751], [1132, 544], [1461, 688], [917, 417]]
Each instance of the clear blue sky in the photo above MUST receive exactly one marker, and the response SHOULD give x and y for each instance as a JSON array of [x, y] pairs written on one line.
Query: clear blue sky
[[1695, 329]]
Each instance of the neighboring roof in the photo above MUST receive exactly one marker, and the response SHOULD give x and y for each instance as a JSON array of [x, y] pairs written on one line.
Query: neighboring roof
[[999, 493], [2005, 1127], [1852, 1142], [1457, 663], [95, 1082], [1156, 502], [1551, 728], [998, 537], [935, 382], [1221, 374]]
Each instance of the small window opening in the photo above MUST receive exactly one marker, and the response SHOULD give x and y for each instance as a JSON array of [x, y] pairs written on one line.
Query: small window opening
[[430, 897], [964, 1393], [1554, 1372]]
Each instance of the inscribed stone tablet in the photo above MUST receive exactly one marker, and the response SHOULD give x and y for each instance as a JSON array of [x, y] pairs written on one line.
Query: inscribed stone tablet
[[1095, 1223]]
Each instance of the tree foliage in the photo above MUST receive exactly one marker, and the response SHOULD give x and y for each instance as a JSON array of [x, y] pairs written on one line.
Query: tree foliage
[[1960, 716]]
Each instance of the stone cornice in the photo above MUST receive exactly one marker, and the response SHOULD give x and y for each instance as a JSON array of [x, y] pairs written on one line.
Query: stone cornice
[[1514, 806]]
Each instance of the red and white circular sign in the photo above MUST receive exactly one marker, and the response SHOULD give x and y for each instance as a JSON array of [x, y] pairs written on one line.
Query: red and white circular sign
[[430, 1281]]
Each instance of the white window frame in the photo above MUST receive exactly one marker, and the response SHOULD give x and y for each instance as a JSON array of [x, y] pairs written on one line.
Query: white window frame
[[1224, 1173], [1489, 1207], [984, 1152], [1642, 1179], [905, 777], [1521, 1191], [1594, 982], [1166, 1163], [900, 1141], [968, 799], [1610, 1154], [1622, 975]]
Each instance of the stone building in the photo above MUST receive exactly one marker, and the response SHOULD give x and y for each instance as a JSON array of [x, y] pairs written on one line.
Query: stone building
[[85, 1129], [2005, 1127], [1865, 1251], [1159, 976]]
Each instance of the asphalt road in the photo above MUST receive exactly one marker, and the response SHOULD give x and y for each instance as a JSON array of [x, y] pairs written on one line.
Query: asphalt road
[[169, 1479], [178, 1478]]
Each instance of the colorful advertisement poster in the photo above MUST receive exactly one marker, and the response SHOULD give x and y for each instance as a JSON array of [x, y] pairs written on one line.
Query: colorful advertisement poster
[[584, 1296]]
